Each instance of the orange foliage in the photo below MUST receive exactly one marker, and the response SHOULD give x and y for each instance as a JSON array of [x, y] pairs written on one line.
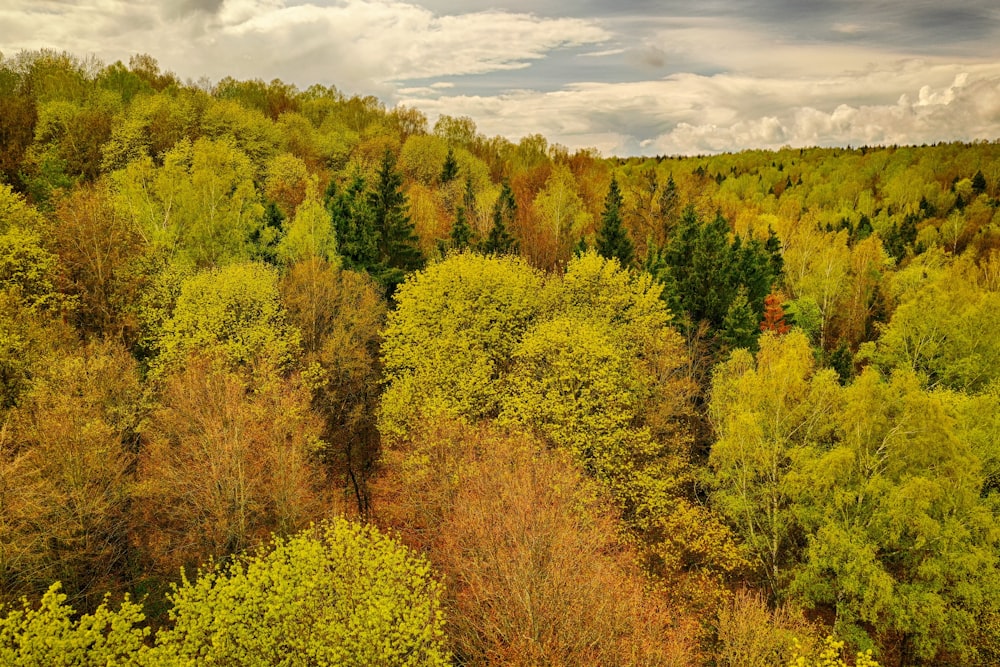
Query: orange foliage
[[774, 316], [223, 467], [530, 553]]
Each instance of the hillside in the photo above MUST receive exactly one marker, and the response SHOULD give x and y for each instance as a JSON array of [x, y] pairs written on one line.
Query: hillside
[[517, 405]]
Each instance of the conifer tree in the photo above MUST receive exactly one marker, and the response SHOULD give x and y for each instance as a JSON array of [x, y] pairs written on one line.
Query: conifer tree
[[449, 171], [353, 224], [612, 238], [500, 241], [461, 233], [398, 251]]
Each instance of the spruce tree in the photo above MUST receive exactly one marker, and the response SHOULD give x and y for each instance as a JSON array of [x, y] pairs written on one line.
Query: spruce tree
[[449, 171], [500, 241], [461, 233], [264, 240], [612, 237], [353, 225], [398, 251]]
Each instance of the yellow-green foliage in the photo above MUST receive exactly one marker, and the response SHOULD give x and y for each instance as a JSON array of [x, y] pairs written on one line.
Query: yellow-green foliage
[[201, 205], [451, 337], [49, 635], [945, 326], [830, 656], [236, 310], [26, 267], [764, 411], [340, 594]]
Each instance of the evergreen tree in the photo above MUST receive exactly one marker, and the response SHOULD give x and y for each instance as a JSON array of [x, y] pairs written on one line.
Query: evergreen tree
[[500, 241], [353, 225], [979, 183], [461, 233], [612, 237], [265, 239], [398, 251], [449, 171], [739, 327], [668, 204]]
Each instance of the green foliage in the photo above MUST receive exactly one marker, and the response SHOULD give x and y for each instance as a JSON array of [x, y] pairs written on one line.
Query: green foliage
[[945, 327], [397, 242], [461, 234], [200, 206], [310, 232], [705, 275], [899, 537], [499, 241], [766, 411], [339, 594], [453, 364], [235, 309], [51, 635], [449, 170], [612, 238]]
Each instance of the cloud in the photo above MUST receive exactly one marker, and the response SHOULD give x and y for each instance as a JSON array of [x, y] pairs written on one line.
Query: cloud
[[908, 102], [356, 44]]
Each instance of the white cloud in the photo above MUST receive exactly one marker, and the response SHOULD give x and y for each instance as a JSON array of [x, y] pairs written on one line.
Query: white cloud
[[355, 44], [687, 113]]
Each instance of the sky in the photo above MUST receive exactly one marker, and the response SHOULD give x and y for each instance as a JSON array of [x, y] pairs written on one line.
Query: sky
[[630, 77]]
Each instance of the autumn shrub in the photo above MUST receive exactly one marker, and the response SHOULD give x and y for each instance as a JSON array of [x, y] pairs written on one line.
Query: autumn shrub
[[533, 559], [67, 454], [224, 464]]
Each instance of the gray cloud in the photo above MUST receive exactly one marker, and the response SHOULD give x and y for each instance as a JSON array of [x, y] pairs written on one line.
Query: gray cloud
[[634, 76]]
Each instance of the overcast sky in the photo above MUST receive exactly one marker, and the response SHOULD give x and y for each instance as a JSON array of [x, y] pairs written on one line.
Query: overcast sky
[[627, 77]]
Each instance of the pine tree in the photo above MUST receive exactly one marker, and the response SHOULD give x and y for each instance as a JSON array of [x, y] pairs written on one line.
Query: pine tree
[[398, 251], [612, 237], [979, 183], [265, 239], [500, 241], [353, 225], [739, 327], [461, 233], [449, 171]]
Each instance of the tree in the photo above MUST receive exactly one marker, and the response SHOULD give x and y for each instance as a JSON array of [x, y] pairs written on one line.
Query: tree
[[235, 310], [765, 411], [504, 519], [774, 315], [901, 545], [224, 464], [499, 241], [341, 314], [461, 233], [340, 593], [612, 237], [201, 206], [396, 241], [53, 635], [310, 232], [67, 456], [449, 171], [354, 225], [450, 338]]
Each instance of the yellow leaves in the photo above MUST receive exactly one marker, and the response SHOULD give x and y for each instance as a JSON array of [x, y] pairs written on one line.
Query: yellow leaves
[[337, 594], [829, 655], [49, 635], [235, 310]]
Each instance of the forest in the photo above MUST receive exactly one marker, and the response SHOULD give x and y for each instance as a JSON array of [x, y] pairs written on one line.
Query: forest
[[290, 377]]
